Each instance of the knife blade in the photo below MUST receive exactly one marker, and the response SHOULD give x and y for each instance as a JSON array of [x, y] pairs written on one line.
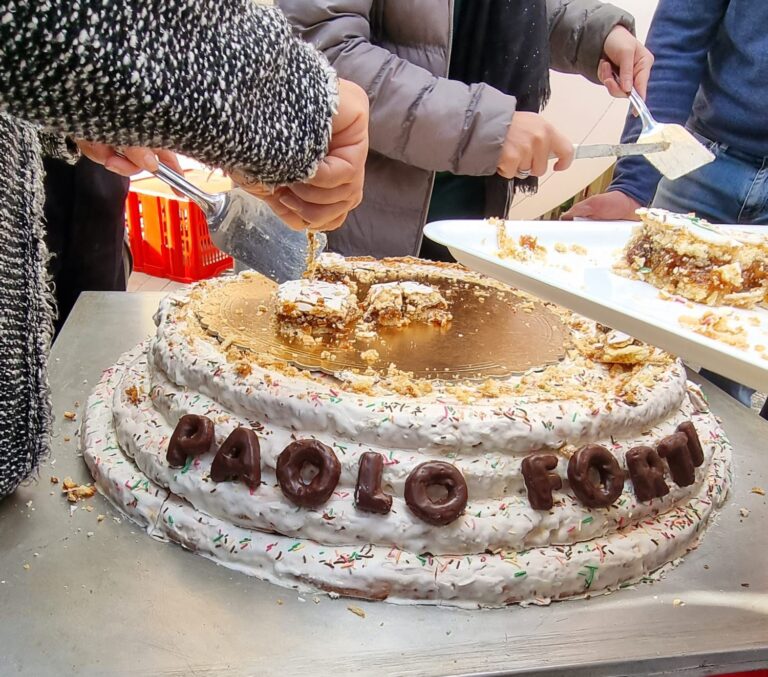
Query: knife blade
[[618, 149]]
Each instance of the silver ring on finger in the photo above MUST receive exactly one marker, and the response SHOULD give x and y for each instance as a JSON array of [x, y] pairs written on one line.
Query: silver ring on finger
[[522, 174]]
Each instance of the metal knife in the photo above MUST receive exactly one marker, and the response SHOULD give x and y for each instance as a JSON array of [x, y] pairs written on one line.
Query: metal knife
[[619, 149]]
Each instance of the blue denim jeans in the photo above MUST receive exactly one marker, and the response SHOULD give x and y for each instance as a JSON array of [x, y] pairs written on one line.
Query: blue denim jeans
[[732, 189]]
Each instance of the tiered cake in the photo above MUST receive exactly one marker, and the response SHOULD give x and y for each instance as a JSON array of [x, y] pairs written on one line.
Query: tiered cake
[[588, 471]]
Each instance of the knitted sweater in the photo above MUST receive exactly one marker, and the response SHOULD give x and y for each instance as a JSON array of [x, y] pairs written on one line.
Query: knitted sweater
[[225, 82]]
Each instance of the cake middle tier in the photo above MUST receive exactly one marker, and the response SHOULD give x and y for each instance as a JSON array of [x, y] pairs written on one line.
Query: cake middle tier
[[498, 516]]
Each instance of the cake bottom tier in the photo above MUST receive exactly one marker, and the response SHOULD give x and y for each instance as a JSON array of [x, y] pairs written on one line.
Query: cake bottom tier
[[538, 575]]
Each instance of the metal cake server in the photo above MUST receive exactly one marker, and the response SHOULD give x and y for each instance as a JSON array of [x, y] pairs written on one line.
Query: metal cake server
[[248, 230], [685, 153]]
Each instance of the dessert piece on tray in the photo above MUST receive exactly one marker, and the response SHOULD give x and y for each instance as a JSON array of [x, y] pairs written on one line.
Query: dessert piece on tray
[[690, 257]]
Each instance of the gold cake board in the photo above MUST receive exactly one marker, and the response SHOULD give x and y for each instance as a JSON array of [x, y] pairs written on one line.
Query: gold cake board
[[494, 333]]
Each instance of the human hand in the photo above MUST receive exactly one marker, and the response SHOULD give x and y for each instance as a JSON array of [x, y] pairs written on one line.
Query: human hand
[[530, 142], [323, 202], [137, 159], [611, 206], [624, 53]]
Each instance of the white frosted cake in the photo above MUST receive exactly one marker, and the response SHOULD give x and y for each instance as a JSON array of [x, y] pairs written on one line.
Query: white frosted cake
[[568, 480]]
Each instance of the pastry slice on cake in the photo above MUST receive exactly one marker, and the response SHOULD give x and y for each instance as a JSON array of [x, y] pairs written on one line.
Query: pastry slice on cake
[[397, 304], [314, 308]]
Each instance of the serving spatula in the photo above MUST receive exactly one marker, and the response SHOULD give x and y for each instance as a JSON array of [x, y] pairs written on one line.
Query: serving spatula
[[248, 230], [685, 153]]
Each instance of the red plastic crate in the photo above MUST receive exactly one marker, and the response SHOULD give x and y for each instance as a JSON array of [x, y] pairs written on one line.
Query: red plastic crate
[[169, 237]]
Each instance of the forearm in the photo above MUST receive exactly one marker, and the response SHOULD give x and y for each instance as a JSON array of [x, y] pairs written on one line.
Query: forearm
[[226, 83]]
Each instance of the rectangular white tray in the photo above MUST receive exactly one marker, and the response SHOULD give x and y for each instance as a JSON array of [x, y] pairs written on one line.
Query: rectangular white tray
[[587, 284]]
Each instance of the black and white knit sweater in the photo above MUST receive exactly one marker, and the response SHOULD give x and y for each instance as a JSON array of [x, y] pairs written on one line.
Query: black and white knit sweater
[[223, 81]]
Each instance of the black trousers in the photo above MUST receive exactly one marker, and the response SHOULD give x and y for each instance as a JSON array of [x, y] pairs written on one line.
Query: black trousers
[[85, 214]]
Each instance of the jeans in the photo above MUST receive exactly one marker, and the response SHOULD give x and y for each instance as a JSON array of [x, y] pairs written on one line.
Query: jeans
[[732, 189]]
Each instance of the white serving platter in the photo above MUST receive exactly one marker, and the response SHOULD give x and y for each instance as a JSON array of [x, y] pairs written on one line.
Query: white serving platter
[[587, 284]]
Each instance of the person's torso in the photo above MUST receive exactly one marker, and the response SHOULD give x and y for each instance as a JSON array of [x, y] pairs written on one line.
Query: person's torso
[[390, 219], [731, 103], [418, 31]]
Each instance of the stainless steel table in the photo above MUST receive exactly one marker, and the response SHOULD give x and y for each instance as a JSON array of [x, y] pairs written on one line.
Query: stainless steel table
[[102, 598]]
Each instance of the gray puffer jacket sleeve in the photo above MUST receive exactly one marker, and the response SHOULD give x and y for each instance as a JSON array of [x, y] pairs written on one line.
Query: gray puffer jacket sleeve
[[578, 29], [431, 122], [416, 118]]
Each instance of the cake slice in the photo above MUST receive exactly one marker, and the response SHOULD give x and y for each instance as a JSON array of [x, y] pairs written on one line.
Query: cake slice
[[397, 304], [688, 256], [314, 308]]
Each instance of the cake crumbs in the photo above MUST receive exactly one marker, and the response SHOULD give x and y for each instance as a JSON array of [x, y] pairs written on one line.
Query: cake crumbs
[[243, 369], [758, 490], [132, 393], [369, 356], [678, 602], [717, 326], [357, 611], [744, 512], [70, 415], [54, 479], [76, 492]]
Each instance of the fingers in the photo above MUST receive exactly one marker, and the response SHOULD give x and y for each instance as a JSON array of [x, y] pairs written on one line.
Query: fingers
[[130, 160], [627, 69], [581, 210], [98, 152], [334, 171], [316, 215], [170, 159], [529, 144], [605, 75], [563, 150], [643, 67], [286, 215], [322, 196], [611, 206]]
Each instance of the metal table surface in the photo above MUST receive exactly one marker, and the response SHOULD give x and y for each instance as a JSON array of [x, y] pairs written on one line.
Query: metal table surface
[[103, 598]]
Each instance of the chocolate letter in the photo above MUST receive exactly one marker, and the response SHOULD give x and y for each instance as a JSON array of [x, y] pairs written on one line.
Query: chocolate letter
[[291, 463], [675, 450], [368, 494], [646, 470], [694, 445], [539, 482], [438, 511], [193, 436], [597, 458], [238, 458]]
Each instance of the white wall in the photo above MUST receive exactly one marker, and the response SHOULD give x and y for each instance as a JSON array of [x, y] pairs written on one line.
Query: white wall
[[586, 114]]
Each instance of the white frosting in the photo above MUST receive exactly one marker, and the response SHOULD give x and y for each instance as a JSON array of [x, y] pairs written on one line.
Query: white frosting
[[538, 575], [317, 296], [540, 555]]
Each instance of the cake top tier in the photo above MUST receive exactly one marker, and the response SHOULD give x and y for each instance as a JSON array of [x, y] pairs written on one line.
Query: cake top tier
[[604, 381]]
